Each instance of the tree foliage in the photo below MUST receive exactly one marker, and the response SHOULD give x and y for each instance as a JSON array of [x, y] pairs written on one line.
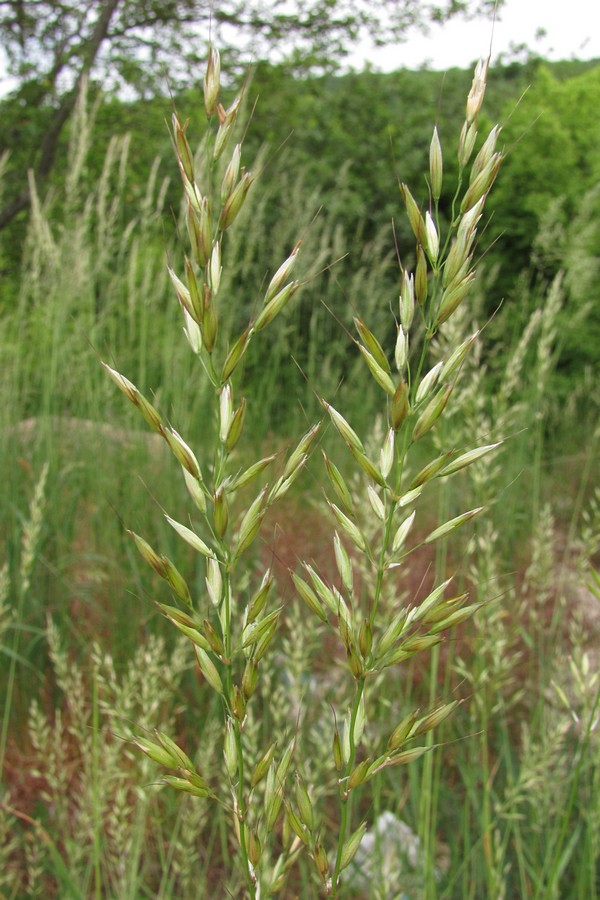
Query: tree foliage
[[51, 45], [553, 133]]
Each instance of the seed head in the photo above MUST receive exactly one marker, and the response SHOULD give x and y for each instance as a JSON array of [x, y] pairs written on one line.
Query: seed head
[[251, 522], [309, 597], [274, 306], [236, 201], [184, 154], [399, 406], [192, 332], [249, 678], [452, 297], [190, 537], [428, 382], [485, 154], [235, 354], [209, 670], [214, 581], [231, 173], [254, 847], [401, 350], [235, 429], [407, 300], [402, 533], [225, 411], [321, 861], [436, 165], [338, 756], [238, 704], [380, 375], [204, 232], [212, 81], [401, 732], [230, 749], [259, 600], [262, 766], [305, 808], [304, 447], [282, 274], [352, 844], [194, 486], [343, 563], [414, 215], [372, 344], [476, 94], [365, 639], [215, 268], [421, 277], [359, 774], [220, 512], [450, 526], [433, 241], [466, 142], [457, 357], [432, 412], [349, 435]]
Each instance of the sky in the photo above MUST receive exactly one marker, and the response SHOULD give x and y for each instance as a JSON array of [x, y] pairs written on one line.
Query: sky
[[567, 23]]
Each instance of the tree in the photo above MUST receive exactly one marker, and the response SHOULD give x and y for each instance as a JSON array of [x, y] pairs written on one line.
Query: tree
[[52, 45], [553, 132]]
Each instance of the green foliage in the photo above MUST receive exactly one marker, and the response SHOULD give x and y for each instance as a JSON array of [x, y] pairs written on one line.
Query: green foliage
[[554, 134]]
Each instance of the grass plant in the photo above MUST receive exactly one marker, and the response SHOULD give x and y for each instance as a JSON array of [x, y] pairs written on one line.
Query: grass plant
[[310, 691], [230, 644]]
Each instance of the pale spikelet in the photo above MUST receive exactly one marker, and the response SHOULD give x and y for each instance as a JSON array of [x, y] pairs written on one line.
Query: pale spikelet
[[347, 433], [432, 412], [231, 173], [275, 305], [386, 456], [476, 94], [407, 300], [414, 214], [433, 240], [225, 411], [190, 537], [281, 275], [436, 165], [215, 268], [212, 81], [428, 382], [401, 350], [402, 533], [31, 531], [448, 527], [235, 201], [192, 332], [466, 143]]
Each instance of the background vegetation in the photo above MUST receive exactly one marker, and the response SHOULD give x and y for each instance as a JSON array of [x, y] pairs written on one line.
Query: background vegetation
[[83, 653]]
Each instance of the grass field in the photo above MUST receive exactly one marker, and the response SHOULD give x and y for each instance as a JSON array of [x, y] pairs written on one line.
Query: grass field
[[292, 735]]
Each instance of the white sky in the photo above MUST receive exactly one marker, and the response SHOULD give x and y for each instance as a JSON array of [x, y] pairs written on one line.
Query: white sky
[[570, 34]]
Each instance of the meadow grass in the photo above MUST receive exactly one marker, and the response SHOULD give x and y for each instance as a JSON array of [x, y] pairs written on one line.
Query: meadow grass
[[91, 665]]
